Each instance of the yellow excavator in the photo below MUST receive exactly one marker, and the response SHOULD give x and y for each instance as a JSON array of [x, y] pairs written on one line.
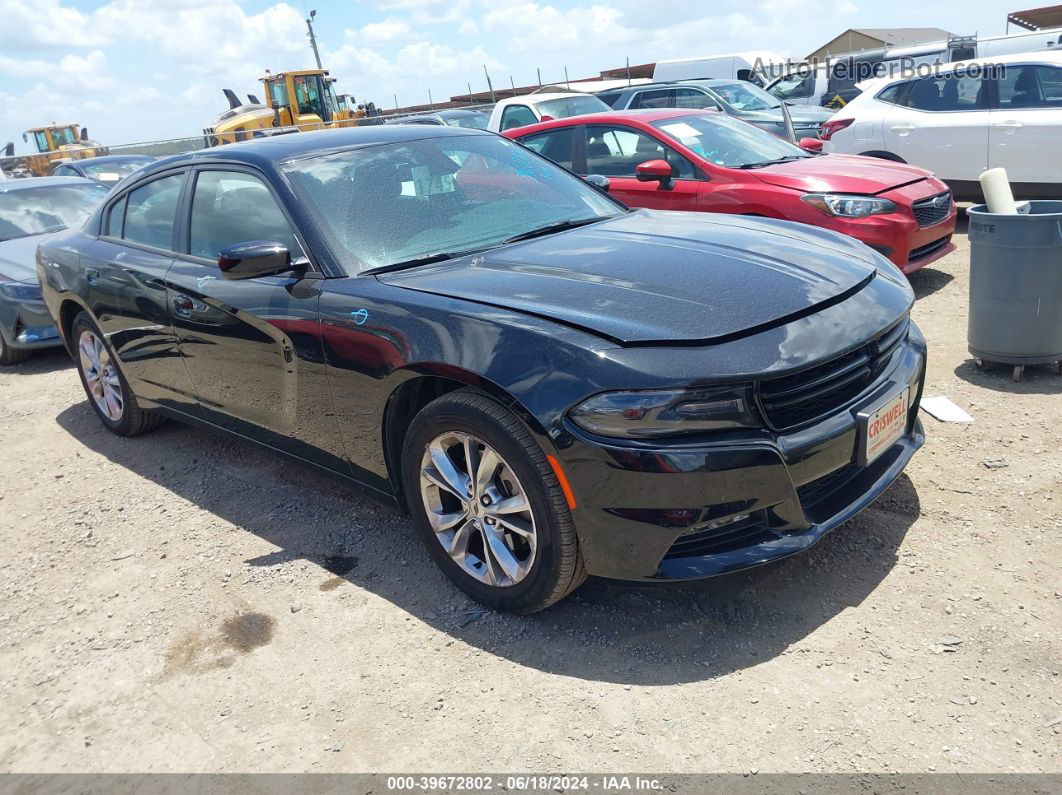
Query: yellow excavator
[[294, 102], [54, 142]]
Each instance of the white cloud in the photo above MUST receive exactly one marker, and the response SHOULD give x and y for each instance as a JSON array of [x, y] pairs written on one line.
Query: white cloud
[[43, 24], [390, 29]]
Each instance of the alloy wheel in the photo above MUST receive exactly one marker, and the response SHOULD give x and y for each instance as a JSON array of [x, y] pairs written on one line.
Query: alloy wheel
[[101, 376], [477, 508]]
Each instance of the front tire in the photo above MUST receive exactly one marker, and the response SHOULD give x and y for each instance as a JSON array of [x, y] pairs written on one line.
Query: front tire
[[108, 391], [487, 504], [9, 355]]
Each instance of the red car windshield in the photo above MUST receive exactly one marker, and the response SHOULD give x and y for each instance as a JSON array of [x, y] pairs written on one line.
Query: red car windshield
[[729, 142]]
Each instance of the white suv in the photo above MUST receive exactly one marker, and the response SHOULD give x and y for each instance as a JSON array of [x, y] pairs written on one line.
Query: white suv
[[964, 118]]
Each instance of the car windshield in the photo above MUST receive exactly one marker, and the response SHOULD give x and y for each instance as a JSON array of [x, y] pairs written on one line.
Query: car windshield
[[112, 173], [395, 205], [49, 208], [571, 106], [729, 142], [477, 121], [744, 96]]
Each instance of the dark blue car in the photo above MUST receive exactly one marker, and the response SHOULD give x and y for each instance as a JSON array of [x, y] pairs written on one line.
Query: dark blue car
[[551, 384]]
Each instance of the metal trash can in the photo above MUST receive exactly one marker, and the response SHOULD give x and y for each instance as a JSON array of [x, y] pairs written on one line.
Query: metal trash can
[[1016, 286]]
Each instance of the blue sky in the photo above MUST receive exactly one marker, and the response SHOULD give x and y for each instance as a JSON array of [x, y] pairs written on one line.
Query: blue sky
[[135, 70]]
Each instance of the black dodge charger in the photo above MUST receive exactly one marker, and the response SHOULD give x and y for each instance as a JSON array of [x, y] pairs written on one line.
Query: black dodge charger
[[551, 384]]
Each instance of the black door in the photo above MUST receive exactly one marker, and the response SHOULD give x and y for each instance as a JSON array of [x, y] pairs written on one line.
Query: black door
[[125, 272], [252, 347]]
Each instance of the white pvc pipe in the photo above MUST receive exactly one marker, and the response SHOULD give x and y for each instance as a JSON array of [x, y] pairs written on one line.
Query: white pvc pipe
[[998, 196]]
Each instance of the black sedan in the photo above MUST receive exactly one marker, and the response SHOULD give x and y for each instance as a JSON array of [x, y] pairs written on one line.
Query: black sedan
[[108, 169], [551, 384]]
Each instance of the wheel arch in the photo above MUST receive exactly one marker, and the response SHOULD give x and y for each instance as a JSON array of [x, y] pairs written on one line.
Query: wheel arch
[[69, 308], [420, 385]]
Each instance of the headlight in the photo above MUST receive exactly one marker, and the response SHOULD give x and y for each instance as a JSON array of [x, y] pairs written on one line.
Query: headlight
[[636, 415], [18, 291], [844, 206]]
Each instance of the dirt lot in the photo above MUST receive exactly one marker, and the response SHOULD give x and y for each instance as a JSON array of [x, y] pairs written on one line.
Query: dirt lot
[[182, 602]]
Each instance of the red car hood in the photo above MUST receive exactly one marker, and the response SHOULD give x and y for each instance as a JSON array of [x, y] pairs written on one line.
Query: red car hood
[[841, 174]]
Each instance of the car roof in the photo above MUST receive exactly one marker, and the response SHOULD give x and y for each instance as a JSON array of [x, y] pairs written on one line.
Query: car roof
[[1035, 57], [108, 159], [9, 185], [536, 98], [645, 116], [290, 146]]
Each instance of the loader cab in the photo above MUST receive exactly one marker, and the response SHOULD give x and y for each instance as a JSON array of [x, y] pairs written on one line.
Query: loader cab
[[50, 139], [306, 99]]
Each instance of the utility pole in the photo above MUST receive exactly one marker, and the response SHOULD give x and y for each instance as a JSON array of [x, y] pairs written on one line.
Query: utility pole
[[431, 105], [490, 85], [538, 71], [628, 71], [313, 39], [567, 85], [470, 100]]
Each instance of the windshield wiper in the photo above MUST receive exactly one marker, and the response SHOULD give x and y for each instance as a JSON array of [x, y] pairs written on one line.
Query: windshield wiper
[[427, 259], [763, 163], [549, 229]]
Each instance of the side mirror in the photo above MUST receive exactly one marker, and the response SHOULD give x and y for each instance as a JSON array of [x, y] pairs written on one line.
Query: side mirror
[[598, 181], [254, 259], [810, 144], [654, 171], [546, 118]]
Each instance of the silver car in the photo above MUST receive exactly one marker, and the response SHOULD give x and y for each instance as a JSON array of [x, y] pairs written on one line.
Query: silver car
[[30, 211]]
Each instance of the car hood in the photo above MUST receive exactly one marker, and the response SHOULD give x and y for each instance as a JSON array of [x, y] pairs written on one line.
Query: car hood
[[18, 257], [841, 174], [649, 277]]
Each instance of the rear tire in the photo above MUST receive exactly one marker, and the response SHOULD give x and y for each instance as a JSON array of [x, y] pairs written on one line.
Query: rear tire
[[516, 559], [9, 355], [101, 376]]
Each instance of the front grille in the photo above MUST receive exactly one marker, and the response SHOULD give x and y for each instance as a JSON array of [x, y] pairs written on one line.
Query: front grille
[[744, 533], [811, 494], [801, 398], [927, 212], [927, 249]]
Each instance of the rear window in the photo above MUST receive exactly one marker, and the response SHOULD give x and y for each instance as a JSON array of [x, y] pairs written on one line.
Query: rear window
[[49, 208], [572, 106]]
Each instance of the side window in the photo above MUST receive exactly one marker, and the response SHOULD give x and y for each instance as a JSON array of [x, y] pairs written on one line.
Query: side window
[[517, 116], [555, 144], [609, 97], [658, 98], [115, 218], [946, 93], [150, 210], [1030, 87], [230, 207], [692, 98], [616, 151], [41, 140], [794, 86], [892, 94], [64, 171]]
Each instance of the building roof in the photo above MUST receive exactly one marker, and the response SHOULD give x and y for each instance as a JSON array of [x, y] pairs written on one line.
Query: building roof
[[1037, 18], [901, 36]]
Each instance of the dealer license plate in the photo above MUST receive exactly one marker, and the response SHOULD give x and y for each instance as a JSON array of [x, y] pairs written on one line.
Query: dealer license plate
[[886, 425]]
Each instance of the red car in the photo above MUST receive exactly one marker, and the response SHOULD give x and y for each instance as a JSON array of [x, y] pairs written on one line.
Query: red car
[[710, 162]]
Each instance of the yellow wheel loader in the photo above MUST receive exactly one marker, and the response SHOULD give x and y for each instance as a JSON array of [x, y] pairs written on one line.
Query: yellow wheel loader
[[294, 102], [54, 143]]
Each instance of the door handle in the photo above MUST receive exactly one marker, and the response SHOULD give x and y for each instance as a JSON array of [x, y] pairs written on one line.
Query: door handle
[[1010, 124], [92, 275], [901, 129], [182, 306]]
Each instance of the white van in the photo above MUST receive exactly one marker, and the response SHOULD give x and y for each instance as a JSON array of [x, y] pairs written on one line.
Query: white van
[[811, 85], [757, 66]]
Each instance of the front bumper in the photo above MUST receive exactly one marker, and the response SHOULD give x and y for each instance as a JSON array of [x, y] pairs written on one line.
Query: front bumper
[[690, 511], [27, 324]]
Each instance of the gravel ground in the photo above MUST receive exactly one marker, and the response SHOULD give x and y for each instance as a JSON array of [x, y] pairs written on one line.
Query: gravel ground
[[183, 602]]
